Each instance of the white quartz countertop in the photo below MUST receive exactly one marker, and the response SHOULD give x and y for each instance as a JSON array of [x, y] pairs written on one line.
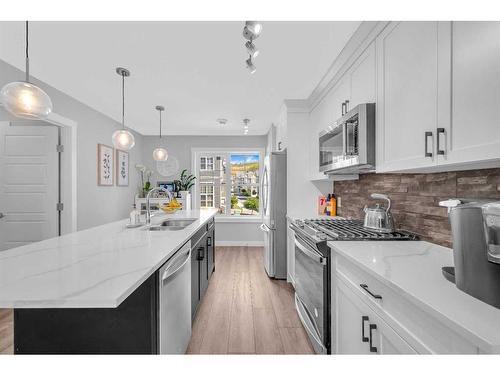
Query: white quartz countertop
[[413, 268], [98, 267]]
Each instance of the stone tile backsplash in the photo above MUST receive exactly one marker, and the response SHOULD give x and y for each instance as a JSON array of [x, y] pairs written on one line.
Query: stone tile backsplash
[[415, 197]]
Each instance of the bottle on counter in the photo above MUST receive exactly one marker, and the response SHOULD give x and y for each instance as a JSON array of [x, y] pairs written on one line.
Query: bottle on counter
[[328, 205], [135, 216], [333, 205]]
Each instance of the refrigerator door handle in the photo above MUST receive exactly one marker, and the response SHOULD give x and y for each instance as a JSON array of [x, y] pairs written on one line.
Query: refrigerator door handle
[[263, 227]]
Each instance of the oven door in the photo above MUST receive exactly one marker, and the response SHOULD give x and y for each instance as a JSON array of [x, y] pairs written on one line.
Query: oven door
[[331, 147], [310, 267]]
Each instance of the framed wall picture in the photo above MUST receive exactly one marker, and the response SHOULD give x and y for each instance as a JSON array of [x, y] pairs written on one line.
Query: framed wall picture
[[105, 166], [121, 168]]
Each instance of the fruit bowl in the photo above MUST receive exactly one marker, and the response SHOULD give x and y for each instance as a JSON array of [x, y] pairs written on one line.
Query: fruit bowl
[[169, 210]]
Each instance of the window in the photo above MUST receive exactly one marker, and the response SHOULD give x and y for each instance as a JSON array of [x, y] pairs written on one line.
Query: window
[[206, 163], [229, 181], [206, 195]]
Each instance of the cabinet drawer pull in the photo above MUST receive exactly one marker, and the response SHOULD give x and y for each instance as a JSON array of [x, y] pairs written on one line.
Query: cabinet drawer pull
[[427, 153], [365, 287], [363, 320], [344, 107], [209, 241], [439, 132], [201, 253], [373, 349]]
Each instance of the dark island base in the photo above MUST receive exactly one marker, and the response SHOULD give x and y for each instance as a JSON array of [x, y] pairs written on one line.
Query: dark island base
[[131, 328]]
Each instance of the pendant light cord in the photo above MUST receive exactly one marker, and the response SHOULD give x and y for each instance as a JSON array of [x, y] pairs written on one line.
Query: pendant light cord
[[123, 100], [160, 124], [27, 55]]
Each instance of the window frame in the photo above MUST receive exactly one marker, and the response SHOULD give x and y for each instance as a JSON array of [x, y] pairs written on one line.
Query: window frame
[[197, 153]]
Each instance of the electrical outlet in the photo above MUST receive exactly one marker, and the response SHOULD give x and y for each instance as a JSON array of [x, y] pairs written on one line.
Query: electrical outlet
[[339, 202]]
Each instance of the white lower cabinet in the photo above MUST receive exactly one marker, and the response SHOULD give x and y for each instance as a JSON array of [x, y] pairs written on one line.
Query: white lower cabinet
[[360, 330]]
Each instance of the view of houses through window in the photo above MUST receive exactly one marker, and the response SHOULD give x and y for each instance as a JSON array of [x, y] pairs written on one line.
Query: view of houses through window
[[230, 182]]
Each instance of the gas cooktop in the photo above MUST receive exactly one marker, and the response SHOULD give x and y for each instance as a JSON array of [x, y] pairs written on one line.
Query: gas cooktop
[[345, 230]]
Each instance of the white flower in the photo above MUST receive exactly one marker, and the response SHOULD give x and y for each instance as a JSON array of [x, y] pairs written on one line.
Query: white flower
[[140, 168]]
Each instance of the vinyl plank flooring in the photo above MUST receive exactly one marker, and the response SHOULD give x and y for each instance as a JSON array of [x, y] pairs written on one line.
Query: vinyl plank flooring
[[295, 341], [216, 335], [267, 334], [283, 303], [6, 331], [241, 332]]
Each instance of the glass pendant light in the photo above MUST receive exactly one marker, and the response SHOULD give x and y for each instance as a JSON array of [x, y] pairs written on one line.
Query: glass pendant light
[[123, 139], [160, 154], [24, 99]]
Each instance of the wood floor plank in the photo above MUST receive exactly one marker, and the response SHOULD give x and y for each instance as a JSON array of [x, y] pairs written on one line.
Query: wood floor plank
[[282, 299], [267, 335], [241, 332], [216, 336], [295, 341]]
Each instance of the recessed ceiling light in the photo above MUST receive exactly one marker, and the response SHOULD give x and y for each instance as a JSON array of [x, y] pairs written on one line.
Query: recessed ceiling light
[[222, 121]]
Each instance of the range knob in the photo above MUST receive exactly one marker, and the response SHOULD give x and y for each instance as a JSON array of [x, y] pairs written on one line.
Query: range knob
[[299, 223], [321, 236]]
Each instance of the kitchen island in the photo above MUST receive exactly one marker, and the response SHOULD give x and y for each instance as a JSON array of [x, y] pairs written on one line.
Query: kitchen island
[[92, 291]]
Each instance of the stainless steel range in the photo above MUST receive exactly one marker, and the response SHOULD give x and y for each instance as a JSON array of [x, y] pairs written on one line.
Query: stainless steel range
[[313, 269]]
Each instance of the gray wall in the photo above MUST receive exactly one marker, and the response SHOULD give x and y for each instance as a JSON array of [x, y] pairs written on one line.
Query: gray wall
[[96, 204], [228, 233]]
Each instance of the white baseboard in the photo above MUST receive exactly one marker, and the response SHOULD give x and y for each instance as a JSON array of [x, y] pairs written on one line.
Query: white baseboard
[[239, 243]]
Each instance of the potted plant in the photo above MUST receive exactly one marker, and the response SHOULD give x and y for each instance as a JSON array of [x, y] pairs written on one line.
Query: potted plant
[[185, 183]]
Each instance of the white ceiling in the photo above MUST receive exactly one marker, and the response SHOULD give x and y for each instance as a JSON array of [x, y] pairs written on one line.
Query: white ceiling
[[195, 69]]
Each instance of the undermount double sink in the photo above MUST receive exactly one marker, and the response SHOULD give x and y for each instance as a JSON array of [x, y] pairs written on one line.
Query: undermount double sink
[[171, 224]]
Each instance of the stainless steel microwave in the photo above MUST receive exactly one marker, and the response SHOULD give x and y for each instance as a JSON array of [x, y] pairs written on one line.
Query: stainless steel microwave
[[348, 145]]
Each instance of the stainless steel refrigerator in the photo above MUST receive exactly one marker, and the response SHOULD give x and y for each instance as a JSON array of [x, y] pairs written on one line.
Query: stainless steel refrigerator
[[273, 193]]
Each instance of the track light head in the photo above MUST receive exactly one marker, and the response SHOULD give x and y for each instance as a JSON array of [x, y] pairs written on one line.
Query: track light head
[[250, 66], [251, 49], [255, 27]]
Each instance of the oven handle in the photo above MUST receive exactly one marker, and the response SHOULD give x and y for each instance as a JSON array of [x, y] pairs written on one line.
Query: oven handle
[[307, 327], [310, 253]]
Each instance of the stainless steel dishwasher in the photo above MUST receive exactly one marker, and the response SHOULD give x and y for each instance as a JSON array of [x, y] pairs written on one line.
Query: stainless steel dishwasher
[[175, 302]]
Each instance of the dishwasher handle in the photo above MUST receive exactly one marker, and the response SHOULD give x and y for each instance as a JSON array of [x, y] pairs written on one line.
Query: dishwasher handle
[[168, 272]]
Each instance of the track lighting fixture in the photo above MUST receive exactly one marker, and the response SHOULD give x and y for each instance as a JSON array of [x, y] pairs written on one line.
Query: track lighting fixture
[[251, 31], [245, 125]]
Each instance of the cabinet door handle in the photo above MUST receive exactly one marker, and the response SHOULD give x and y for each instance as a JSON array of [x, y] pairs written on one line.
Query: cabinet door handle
[[201, 253], [363, 320], [373, 349], [279, 146], [427, 153], [344, 106], [365, 287], [209, 241], [439, 132]]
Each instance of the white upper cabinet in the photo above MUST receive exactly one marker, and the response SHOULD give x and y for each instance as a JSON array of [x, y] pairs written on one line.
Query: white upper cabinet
[[408, 89], [474, 134], [355, 86], [363, 78]]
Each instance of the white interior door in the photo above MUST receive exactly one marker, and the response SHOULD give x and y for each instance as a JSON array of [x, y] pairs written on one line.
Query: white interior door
[[28, 183]]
